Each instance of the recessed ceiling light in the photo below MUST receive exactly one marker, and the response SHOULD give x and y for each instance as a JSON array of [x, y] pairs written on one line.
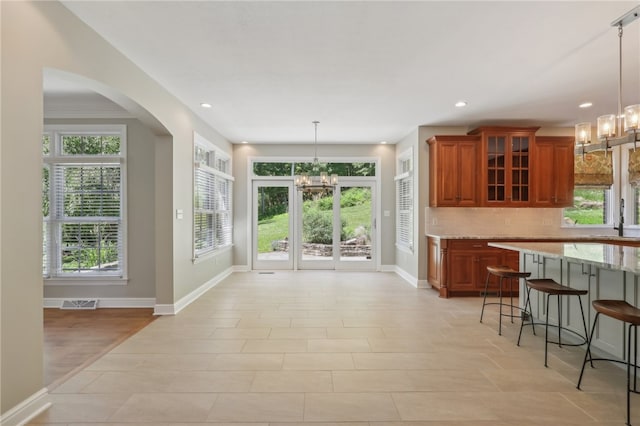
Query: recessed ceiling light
[[245, 142], [461, 104], [383, 142], [586, 105], [205, 105]]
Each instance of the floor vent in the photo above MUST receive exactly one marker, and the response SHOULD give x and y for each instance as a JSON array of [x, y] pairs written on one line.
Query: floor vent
[[80, 304], [266, 273]]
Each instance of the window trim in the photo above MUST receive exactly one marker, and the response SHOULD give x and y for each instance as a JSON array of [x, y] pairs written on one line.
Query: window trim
[[55, 156]]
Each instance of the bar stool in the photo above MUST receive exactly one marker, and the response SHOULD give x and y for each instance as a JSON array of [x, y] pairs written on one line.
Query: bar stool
[[503, 272], [622, 311], [552, 288]]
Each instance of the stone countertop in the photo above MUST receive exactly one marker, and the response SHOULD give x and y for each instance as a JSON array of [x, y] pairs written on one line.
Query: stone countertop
[[619, 257], [551, 238]]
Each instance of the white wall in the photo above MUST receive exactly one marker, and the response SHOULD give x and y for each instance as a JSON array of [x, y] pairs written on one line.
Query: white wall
[[242, 211], [40, 35]]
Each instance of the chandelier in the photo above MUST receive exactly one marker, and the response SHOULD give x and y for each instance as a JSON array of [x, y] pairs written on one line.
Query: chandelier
[[613, 129], [318, 181]]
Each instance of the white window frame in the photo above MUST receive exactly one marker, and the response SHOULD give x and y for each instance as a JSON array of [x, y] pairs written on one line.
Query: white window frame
[[52, 270], [404, 201], [212, 164]]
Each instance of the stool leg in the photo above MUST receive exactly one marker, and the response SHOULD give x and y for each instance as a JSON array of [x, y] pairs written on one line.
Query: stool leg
[[511, 297], [500, 320], [484, 301], [629, 375], [527, 302], [546, 332], [586, 331], [588, 351], [559, 321]]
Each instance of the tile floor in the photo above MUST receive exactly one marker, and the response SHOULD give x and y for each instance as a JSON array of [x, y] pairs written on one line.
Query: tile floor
[[325, 348]]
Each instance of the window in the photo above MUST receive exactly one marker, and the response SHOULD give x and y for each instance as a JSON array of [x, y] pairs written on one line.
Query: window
[[213, 187], [347, 168], [404, 201], [590, 207], [83, 204]]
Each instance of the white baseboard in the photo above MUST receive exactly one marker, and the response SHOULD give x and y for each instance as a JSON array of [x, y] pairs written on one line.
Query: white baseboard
[[388, 268], [106, 302], [424, 284], [27, 410], [241, 268], [173, 309], [407, 276]]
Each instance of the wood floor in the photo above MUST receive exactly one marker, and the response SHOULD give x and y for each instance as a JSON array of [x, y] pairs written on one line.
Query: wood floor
[[75, 338]]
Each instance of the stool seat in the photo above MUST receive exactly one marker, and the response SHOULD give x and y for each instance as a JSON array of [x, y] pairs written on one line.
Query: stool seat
[[504, 271], [618, 309], [549, 286]]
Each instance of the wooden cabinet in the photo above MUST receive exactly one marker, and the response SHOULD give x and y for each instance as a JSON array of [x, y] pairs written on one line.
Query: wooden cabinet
[[462, 266], [506, 166], [453, 171], [553, 175], [501, 167]]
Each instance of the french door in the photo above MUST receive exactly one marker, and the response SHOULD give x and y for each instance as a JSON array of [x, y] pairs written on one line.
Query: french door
[[273, 225], [295, 230]]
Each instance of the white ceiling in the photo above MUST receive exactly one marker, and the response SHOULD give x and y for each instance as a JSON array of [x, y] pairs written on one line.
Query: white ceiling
[[375, 70]]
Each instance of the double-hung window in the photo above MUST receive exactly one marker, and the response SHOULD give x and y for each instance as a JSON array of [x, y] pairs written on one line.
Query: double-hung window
[[404, 201], [212, 202], [83, 203]]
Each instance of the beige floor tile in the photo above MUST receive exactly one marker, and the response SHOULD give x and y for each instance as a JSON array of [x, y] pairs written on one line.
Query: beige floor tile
[[264, 323], [292, 381], [438, 406], [411, 381], [212, 381], [275, 346], [76, 383], [246, 362], [318, 361], [349, 407], [402, 345], [515, 406], [316, 322], [166, 407], [422, 361], [258, 407], [298, 333], [139, 381], [529, 380], [241, 333], [354, 333], [175, 346], [68, 408], [339, 345]]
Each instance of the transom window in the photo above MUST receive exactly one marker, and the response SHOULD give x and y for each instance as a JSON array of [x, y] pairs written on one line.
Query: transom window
[[83, 208]]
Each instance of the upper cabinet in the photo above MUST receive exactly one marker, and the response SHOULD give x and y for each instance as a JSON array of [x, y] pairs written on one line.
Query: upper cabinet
[[500, 167], [453, 171], [554, 173], [506, 172]]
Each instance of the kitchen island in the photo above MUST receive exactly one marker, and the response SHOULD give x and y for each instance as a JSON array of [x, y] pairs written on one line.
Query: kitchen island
[[607, 271]]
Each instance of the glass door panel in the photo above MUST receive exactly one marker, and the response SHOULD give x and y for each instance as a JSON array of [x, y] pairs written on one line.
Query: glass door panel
[[355, 217], [317, 231], [272, 224]]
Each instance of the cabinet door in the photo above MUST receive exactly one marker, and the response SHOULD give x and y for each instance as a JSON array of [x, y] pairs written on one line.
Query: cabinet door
[[467, 174], [462, 271], [448, 180], [554, 178]]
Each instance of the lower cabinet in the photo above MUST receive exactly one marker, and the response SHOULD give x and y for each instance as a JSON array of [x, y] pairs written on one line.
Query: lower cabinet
[[460, 266]]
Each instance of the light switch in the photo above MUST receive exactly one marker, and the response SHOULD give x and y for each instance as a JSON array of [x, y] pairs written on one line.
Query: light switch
[[179, 214]]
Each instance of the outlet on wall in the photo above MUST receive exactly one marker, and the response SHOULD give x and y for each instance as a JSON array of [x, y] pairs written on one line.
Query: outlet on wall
[[434, 220]]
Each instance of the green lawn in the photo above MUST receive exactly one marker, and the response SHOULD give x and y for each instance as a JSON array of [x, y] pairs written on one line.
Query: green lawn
[[276, 227]]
